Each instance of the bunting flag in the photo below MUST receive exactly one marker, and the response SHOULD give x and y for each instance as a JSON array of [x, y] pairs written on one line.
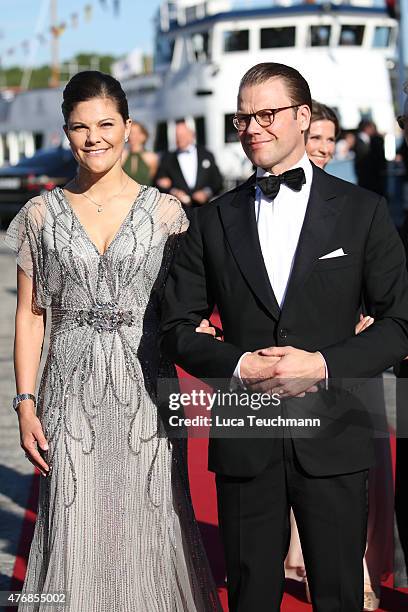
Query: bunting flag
[[58, 30], [88, 12], [116, 7]]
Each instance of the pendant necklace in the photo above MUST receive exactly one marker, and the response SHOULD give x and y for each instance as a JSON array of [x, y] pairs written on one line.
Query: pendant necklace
[[97, 204]]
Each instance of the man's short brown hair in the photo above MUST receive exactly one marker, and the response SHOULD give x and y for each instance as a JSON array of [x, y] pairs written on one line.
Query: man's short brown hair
[[297, 86]]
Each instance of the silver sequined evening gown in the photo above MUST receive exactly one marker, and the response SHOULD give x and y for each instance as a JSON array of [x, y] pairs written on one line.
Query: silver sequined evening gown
[[115, 527]]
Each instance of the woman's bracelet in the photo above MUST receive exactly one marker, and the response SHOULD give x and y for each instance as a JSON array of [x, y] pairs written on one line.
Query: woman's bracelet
[[21, 397]]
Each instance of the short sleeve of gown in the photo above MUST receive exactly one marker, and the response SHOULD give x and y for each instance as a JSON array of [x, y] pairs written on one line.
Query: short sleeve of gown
[[173, 218], [172, 215], [24, 237]]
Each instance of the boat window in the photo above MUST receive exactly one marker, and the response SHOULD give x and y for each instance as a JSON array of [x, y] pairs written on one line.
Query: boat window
[[277, 37], [191, 13], [320, 35], [231, 134], [6, 147], [200, 42], [351, 35], [366, 113], [164, 50], [38, 140], [199, 123], [161, 142], [236, 40], [382, 36]]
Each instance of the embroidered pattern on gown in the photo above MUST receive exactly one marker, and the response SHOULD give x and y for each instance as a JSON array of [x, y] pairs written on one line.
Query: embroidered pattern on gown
[[115, 528]]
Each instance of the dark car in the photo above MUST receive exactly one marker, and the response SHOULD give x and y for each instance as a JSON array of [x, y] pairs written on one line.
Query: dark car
[[44, 170]]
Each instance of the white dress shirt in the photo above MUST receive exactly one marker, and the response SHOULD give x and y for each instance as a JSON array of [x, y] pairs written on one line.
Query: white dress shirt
[[188, 162], [279, 224]]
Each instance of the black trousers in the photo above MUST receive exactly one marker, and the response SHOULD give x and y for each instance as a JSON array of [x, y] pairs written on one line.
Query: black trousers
[[331, 514]]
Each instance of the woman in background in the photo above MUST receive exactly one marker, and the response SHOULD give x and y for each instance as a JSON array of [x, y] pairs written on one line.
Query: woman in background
[[320, 147], [139, 164], [323, 132]]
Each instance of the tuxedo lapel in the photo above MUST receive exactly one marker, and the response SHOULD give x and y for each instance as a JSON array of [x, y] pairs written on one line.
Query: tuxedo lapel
[[200, 169], [238, 218], [322, 212], [182, 184]]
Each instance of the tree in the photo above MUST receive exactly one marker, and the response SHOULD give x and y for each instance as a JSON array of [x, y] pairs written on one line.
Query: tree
[[40, 76]]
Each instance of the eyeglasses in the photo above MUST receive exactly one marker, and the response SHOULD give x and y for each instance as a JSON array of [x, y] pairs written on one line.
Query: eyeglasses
[[402, 120], [264, 117]]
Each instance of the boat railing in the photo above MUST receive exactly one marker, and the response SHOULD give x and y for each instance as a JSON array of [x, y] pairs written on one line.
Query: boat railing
[[182, 12]]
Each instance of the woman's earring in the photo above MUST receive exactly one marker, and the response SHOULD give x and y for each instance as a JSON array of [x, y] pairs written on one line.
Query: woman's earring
[[127, 138]]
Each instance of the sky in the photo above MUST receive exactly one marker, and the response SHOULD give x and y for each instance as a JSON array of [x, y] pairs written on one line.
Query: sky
[[103, 33]]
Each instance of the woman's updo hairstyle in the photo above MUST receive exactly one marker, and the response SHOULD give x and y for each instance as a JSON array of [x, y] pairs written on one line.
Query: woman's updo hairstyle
[[93, 84]]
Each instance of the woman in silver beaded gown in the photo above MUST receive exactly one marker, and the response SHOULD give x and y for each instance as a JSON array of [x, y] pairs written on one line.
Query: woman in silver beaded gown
[[115, 529]]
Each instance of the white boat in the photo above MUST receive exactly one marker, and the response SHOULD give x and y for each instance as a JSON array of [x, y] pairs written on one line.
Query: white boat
[[203, 47]]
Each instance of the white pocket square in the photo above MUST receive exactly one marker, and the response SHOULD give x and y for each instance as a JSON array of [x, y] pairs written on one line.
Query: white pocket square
[[336, 253]]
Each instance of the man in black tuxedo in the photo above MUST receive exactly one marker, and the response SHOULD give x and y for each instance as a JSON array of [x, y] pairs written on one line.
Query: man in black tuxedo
[[189, 173], [287, 258]]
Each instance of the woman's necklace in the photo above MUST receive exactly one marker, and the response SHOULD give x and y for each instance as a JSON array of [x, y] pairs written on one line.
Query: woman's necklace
[[97, 204]]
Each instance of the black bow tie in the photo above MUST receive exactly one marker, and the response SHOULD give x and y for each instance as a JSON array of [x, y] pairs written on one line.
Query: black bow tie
[[270, 185]]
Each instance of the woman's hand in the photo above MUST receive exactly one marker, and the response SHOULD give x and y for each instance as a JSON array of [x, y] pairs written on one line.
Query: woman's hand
[[206, 328], [364, 322], [32, 435]]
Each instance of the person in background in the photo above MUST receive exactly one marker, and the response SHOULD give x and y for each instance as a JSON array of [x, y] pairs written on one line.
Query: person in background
[[369, 160], [401, 466], [345, 146], [323, 133], [189, 173], [139, 164]]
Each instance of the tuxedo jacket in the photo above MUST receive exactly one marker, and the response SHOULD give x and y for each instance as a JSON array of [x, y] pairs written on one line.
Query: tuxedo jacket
[[220, 263], [370, 163], [208, 174]]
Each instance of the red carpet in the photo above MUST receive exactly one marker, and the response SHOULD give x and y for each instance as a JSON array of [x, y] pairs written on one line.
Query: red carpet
[[204, 499]]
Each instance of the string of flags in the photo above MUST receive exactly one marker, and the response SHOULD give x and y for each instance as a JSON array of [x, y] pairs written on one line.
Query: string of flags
[[55, 31]]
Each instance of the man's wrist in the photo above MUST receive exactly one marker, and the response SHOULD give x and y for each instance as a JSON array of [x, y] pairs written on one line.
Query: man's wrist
[[236, 377]]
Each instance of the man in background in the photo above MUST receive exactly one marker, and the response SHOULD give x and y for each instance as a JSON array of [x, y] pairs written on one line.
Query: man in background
[[190, 172], [369, 160]]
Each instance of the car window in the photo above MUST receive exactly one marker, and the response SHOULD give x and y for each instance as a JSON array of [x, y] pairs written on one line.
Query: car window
[[52, 158]]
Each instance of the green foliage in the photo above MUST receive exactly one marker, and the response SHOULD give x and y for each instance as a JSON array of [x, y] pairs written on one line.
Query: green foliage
[[40, 76]]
